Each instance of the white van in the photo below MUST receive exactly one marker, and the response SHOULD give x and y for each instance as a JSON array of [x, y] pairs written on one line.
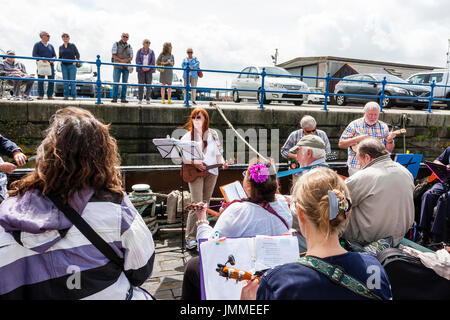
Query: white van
[[440, 77]]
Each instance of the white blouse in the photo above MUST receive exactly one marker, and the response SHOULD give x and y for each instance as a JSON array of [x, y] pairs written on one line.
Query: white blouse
[[211, 154], [247, 219]]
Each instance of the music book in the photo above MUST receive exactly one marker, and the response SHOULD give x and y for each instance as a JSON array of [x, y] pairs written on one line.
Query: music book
[[441, 171], [233, 191], [410, 161], [250, 254]]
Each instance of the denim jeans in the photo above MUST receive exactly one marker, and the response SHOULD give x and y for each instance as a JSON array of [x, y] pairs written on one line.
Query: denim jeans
[[116, 78], [69, 72], [50, 85]]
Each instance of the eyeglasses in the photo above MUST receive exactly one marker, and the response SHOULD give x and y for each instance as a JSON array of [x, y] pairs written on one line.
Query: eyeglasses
[[244, 173], [189, 52], [309, 131], [197, 118], [125, 37]]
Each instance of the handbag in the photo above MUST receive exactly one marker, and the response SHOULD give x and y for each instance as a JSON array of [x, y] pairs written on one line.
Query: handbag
[[200, 74], [160, 70], [44, 68]]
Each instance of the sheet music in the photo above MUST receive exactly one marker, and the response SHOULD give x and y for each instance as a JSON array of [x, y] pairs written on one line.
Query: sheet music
[[251, 254], [233, 191], [170, 148]]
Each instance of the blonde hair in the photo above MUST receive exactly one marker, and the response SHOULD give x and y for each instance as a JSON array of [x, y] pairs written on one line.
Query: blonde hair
[[144, 41], [311, 195]]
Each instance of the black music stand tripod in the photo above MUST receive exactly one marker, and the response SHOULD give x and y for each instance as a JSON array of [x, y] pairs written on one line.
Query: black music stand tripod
[[175, 149]]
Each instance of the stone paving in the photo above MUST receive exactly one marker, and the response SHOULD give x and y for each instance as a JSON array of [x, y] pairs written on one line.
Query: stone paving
[[167, 278]]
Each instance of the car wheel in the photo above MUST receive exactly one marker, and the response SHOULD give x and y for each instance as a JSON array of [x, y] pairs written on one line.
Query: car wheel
[[298, 103], [236, 98], [310, 102], [265, 101], [448, 102], [387, 102], [340, 100]]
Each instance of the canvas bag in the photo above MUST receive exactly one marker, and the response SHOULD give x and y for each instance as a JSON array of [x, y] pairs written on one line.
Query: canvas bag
[[44, 68]]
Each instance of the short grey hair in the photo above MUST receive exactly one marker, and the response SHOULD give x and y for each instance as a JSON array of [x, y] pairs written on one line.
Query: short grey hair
[[316, 152], [373, 147], [42, 33], [308, 122], [371, 105]]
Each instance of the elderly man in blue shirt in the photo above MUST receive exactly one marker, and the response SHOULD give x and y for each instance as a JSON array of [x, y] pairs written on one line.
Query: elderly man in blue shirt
[[45, 50]]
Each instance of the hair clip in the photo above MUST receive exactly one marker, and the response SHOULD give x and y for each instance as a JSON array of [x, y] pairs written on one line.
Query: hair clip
[[259, 173], [336, 205]]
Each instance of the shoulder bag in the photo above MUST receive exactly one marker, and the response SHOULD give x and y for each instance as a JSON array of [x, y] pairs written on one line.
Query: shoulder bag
[[44, 68]]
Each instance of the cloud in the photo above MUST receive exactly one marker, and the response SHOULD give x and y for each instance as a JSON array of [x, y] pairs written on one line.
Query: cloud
[[234, 34]]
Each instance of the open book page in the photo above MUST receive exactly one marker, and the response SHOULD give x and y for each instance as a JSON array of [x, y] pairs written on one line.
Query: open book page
[[273, 251], [215, 286], [233, 191]]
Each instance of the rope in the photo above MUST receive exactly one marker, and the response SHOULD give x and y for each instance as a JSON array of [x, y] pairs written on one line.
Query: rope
[[234, 130]]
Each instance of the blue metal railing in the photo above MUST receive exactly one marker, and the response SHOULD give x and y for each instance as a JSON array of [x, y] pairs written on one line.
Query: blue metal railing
[[261, 92]]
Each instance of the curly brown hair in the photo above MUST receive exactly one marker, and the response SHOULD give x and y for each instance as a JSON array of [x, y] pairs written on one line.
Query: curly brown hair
[[77, 153]]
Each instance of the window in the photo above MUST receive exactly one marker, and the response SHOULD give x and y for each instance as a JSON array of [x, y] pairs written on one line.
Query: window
[[437, 77], [253, 76], [417, 79], [244, 76]]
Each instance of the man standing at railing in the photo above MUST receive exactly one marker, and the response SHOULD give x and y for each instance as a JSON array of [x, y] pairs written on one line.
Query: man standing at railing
[[122, 52], [362, 128], [17, 69], [44, 49]]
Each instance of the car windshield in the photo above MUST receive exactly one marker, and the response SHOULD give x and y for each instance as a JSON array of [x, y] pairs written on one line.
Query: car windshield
[[389, 78], [276, 71]]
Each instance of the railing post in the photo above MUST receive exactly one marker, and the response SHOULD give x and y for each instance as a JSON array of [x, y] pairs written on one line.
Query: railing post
[[327, 87], [262, 91], [430, 101], [99, 82], [187, 94], [383, 85]]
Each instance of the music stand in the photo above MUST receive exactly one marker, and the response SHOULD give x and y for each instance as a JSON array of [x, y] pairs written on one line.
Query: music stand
[[171, 148], [410, 161]]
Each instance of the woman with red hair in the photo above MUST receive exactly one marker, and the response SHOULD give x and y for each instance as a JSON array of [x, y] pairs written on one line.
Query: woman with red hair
[[201, 189]]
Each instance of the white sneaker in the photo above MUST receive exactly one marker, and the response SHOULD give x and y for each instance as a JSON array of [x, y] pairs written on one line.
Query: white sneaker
[[15, 98], [148, 101], [28, 98], [140, 102], [191, 244]]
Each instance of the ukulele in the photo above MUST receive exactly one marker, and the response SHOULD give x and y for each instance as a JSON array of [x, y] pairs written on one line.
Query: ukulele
[[397, 132], [189, 172], [197, 207], [233, 273]]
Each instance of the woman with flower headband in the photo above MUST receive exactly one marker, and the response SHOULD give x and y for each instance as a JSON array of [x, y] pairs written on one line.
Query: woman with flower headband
[[327, 271], [264, 212], [202, 187]]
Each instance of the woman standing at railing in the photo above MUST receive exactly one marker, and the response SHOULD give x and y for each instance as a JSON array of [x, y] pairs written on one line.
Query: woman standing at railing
[[69, 69], [166, 59], [145, 56], [191, 62]]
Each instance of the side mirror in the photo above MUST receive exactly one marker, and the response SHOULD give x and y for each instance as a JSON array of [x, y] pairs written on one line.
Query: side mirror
[[373, 83], [95, 73]]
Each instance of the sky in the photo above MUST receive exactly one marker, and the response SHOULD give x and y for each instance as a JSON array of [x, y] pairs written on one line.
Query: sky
[[231, 35]]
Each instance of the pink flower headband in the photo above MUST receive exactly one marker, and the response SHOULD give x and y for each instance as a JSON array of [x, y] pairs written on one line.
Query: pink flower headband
[[259, 173]]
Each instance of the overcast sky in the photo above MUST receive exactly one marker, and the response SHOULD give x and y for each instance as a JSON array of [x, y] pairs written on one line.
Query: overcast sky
[[231, 35]]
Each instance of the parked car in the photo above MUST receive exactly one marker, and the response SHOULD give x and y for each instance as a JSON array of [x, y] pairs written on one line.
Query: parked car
[[440, 77], [156, 91], [84, 73], [275, 81], [370, 87], [316, 96]]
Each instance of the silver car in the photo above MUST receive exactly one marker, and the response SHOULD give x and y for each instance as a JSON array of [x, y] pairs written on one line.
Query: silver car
[[273, 81]]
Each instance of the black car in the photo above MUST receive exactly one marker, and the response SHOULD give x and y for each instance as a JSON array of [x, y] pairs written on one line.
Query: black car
[[369, 84]]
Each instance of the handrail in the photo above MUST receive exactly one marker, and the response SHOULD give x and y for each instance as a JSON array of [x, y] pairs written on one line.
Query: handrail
[[261, 91]]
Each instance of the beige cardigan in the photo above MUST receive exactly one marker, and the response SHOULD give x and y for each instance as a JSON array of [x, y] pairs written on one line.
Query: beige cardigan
[[382, 198]]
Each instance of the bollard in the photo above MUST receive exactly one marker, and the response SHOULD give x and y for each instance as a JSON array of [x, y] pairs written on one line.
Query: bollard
[[383, 83], [430, 101], [327, 85]]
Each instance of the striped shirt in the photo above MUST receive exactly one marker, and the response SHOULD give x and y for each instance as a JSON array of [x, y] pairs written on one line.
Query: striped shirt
[[43, 256], [295, 137], [359, 127]]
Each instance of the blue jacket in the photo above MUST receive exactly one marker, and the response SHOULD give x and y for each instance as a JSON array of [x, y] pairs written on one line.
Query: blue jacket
[[193, 63], [140, 58], [7, 147]]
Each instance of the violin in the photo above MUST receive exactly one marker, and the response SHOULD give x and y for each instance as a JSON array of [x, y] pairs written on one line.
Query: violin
[[237, 274], [199, 207]]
